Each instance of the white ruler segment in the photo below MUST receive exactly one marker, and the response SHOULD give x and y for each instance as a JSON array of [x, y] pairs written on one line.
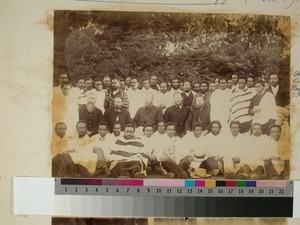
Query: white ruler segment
[[296, 200]]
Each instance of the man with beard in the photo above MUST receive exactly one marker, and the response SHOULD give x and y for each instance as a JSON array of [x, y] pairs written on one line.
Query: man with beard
[[234, 78], [239, 103], [198, 114], [192, 150], [219, 104], [204, 93], [196, 87], [128, 156], [163, 99], [279, 166], [166, 153], [134, 96], [153, 83], [100, 94], [88, 84], [100, 144], [148, 114], [117, 114], [175, 87], [117, 131], [114, 91], [128, 82], [60, 141], [212, 87], [253, 154], [263, 107], [281, 95], [214, 140], [91, 114], [78, 160], [106, 82], [187, 94], [123, 85], [177, 114]]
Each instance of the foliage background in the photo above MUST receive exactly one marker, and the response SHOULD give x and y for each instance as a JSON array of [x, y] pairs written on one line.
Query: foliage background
[[195, 46]]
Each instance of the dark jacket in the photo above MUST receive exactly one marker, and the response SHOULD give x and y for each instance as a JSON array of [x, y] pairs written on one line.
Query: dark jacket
[[178, 116], [197, 115], [110, 116], [92, 119], [151, 115], [282, 98]]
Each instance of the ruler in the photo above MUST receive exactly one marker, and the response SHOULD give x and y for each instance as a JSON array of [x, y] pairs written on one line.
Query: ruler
[[155, 197]]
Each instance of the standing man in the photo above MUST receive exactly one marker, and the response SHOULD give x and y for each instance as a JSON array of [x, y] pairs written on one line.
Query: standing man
[[204, 93], [281, 95], [187, 94], [135, 96], [177, 114], [239, 103], [100, 94], [106, 82], [153, 83], [219, 104], [196, 87], [63, 77], [114, 91], [117, 114], [128, 82], [78, 91]]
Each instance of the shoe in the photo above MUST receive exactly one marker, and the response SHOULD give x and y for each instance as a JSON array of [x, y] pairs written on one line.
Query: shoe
[[159, 170], [242, 176], [254, 177], [139, 175], [215, 172], [170, 175], [184, 175], [229, 175]]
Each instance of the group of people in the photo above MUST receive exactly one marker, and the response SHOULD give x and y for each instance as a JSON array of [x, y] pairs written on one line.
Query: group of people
[[237, 128]]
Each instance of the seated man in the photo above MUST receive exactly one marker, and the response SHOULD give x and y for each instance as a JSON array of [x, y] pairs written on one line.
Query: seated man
[[150, 142], [233, 144], [127, 156], [165, 152], [192, 150], [79, 160], [278, 166], [60, 141], [100, 144], [214, 142], [254, 153]]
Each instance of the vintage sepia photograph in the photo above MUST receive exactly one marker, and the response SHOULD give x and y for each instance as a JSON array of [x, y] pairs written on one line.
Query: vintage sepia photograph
[[171, 95]]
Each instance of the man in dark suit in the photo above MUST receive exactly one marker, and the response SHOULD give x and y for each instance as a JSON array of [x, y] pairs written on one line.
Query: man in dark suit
[[178, 114], [117, 114], [187, 94], [91, 114], [281, 95]]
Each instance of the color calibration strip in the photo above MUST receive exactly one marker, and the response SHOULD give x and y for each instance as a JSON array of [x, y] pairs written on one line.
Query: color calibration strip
[[172, 182], [179, 188], [38, 196]]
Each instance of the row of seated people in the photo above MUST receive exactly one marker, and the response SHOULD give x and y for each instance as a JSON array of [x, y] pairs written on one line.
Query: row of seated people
[[200, 153]]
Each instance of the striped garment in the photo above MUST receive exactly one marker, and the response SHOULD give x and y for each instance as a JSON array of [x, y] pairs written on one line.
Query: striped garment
[[128, 150], [239, 103]]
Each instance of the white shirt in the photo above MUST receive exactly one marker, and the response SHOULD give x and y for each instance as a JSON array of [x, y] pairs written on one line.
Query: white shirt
[[83, 154], [275, 89], [136, 100]]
